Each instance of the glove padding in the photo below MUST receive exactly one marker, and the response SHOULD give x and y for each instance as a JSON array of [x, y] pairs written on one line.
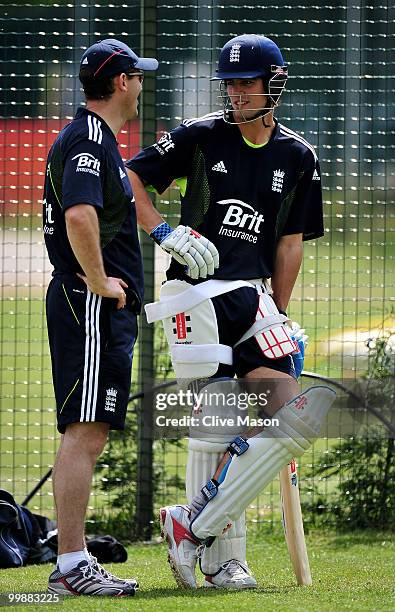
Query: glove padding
[[189, 248], [301, 339]]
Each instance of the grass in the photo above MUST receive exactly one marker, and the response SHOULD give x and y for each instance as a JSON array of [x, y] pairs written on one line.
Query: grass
[[344, 284], [350, 572]]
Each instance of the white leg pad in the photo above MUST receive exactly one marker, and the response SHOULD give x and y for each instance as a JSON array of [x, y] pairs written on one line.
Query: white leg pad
[[203, 460], [300, 422]]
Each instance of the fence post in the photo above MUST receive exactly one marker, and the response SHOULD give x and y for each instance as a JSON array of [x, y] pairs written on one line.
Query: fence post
[[144, 489]]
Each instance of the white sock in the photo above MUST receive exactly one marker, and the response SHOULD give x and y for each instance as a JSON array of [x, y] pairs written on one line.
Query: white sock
[[87, 555], [67, 561]]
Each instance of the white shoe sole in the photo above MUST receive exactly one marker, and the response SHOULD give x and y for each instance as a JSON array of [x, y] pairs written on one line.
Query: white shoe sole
[[245, 587], [62, 592], [167, 534]]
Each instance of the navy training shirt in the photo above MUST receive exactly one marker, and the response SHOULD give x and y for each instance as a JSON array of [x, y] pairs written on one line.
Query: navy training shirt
[[84, 166], [241, 197]]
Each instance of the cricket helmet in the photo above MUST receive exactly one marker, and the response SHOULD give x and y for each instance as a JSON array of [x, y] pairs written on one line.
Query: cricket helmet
[[250, 56]]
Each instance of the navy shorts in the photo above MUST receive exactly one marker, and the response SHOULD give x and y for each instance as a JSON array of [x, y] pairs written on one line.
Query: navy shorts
[[91, 345], [236, 313]]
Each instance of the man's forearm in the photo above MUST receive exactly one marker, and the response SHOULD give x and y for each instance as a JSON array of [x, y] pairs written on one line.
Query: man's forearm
[[84, 236], [287, 264], [147, 215]]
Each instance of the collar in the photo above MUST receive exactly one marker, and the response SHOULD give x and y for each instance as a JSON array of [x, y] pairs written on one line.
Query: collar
[[274, 135], [82, 111]]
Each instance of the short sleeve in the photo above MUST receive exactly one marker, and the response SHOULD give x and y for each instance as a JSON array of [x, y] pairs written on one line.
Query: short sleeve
[[306, 214], [168, 159], [83, 174]]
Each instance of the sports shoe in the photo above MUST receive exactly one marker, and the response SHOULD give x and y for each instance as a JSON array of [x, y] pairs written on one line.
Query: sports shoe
[[109, 576], [183, 546], [231, 575], [84, 579]]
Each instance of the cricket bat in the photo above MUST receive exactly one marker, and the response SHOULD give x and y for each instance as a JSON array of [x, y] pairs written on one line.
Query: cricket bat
[[293, 523]]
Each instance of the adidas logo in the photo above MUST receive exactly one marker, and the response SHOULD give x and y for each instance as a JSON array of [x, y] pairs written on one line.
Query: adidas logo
[[316, 176], [85, 61], [122, 174], [220, 167]]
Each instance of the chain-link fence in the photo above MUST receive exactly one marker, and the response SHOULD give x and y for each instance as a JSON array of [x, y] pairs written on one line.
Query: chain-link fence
[[340, 97]]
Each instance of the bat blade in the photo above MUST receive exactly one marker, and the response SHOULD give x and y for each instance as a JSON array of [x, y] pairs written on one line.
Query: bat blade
[[293, 524]]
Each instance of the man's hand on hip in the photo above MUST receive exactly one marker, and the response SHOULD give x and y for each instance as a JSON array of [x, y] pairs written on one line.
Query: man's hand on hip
[[83, 232], [110, 287]]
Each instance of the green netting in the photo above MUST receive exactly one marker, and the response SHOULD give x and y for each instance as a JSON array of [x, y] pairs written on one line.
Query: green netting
[[340, 97]]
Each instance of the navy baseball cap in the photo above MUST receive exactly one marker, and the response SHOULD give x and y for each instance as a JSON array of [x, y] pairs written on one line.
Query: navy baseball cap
[[248, 56], [110, 57]]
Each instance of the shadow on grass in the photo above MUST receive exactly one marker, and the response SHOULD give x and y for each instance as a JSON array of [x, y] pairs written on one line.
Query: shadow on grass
[[156, 593]]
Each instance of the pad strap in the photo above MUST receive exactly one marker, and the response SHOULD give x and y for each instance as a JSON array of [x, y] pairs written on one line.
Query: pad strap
[[188, 299], [201, 353], [260, 325], [238, 446], [210, 490]]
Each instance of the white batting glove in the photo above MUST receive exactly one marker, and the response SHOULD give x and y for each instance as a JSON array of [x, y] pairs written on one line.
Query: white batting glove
[[189, 248], [298, 334], [301, 340]]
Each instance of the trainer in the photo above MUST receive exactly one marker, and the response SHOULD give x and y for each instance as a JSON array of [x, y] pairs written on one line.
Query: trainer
[[93, 298]]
